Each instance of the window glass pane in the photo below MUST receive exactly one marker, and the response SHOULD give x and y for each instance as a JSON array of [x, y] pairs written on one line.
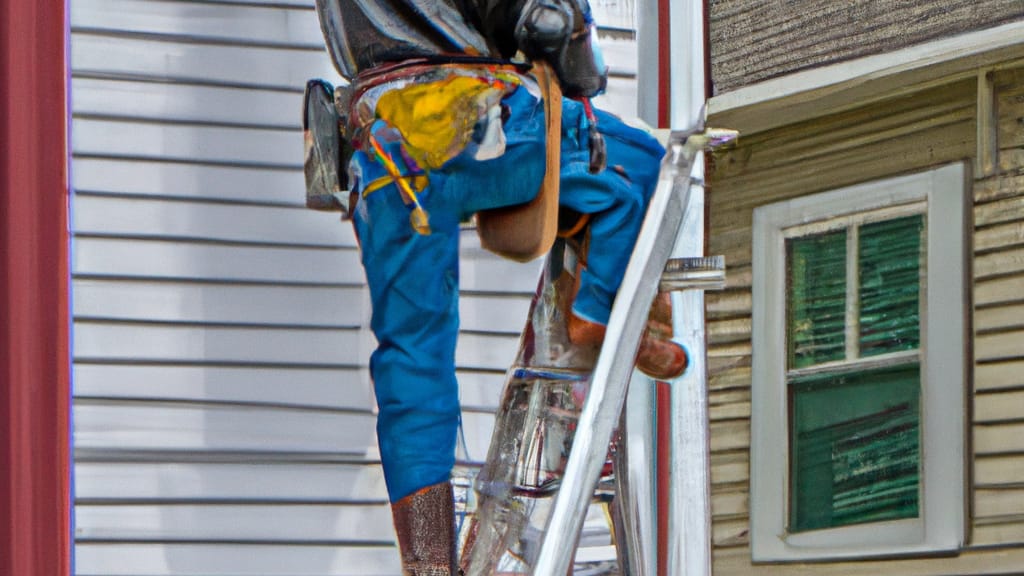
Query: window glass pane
[[816, 278], [854, 448], [890, 285]]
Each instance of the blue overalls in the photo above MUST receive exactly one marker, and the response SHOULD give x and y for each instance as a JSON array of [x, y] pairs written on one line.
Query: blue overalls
[[414, 279]]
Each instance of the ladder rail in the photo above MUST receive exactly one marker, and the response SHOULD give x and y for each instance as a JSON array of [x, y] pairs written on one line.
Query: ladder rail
[[615, 363]]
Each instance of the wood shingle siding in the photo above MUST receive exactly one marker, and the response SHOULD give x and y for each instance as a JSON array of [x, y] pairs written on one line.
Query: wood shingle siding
[[756, 40]]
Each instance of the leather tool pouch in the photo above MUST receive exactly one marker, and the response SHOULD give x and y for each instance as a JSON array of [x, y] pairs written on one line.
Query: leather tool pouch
[[327, 151], [525, 231]]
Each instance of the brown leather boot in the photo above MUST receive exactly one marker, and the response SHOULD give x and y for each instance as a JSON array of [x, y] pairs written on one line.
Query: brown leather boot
[[425, 525], [658, 356]]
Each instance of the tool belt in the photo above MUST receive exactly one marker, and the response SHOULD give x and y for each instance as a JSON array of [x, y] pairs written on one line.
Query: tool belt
[[336, 125]]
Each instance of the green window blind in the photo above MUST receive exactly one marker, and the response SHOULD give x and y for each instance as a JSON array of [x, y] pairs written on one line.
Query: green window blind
[[855, 429], [890, 279], [817, 287], [855, 448]]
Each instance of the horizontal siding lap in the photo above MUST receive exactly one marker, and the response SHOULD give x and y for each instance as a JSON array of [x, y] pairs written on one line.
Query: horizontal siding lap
[[997, 375], [196, 427], [253, 24], [993, 471], [343, 524], [1004, 210], [999, 318], [999, 187], [730, 468], [480, 391], [730, 503], [999, 263], [999, 290], [107, 428], [486, 351], [265, 482], [999, 236], [729, 331], [234, 560], [997, 346], [484, 272], [730, 411], [495, 312], [134, 342], [143, 217], [731, 377], [306, 306], [188, 143], [141, 258], [328, 388], [997, 532], [999, 407], [1010, 108], [208, 183], [999, 502], [730, 533], [184, 103], [219, 65], [171, 301], [727, 304], [996, 439]]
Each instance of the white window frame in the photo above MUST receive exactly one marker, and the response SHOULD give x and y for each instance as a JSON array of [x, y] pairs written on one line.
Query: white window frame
[[940, 526]]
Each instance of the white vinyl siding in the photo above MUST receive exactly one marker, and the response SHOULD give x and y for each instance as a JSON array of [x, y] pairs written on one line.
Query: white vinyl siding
[[223, 415]]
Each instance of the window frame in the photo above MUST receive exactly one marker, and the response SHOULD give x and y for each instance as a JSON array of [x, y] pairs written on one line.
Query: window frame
[[944, 353]]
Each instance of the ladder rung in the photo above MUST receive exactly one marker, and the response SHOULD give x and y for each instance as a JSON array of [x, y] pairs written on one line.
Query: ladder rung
[[704, 273]]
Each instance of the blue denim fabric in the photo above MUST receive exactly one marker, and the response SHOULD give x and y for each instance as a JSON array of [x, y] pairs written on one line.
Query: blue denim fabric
[[414, 283], [414, 279], [616, 199]]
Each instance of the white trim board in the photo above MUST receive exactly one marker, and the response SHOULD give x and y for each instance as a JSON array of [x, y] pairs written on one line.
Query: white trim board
[[809, 93]]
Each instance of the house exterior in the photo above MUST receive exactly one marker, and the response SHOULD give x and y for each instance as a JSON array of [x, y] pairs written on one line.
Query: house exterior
[[867, 412], [223, 415], [211, 435]]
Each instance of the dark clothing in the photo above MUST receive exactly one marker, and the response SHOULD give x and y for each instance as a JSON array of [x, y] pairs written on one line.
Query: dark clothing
[[364, 34]]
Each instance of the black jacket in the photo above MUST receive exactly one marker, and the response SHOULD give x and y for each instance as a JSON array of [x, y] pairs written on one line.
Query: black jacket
[[364, 34]]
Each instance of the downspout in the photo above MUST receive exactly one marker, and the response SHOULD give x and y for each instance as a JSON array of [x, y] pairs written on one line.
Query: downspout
[[674, 84], [676, 213]]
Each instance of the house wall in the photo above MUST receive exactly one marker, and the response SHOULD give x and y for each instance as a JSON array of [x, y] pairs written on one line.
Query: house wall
[[222, 415], [753, 40], [962, 119], [223, 419]]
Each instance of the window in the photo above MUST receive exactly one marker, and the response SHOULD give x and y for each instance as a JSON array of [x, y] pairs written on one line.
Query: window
[[859, 363]]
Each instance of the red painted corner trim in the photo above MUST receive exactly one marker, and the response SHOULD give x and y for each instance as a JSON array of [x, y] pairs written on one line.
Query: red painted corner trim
[[664, 64], [663, 410], [35, 467]]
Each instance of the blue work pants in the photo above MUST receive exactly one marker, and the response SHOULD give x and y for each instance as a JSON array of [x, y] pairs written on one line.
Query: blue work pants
[[414, 279]]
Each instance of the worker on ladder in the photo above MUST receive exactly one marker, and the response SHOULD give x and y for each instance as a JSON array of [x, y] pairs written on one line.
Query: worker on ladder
[[441, 121]]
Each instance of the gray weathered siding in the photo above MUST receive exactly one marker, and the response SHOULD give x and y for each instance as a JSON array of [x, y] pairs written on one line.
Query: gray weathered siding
[[754, 40]]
